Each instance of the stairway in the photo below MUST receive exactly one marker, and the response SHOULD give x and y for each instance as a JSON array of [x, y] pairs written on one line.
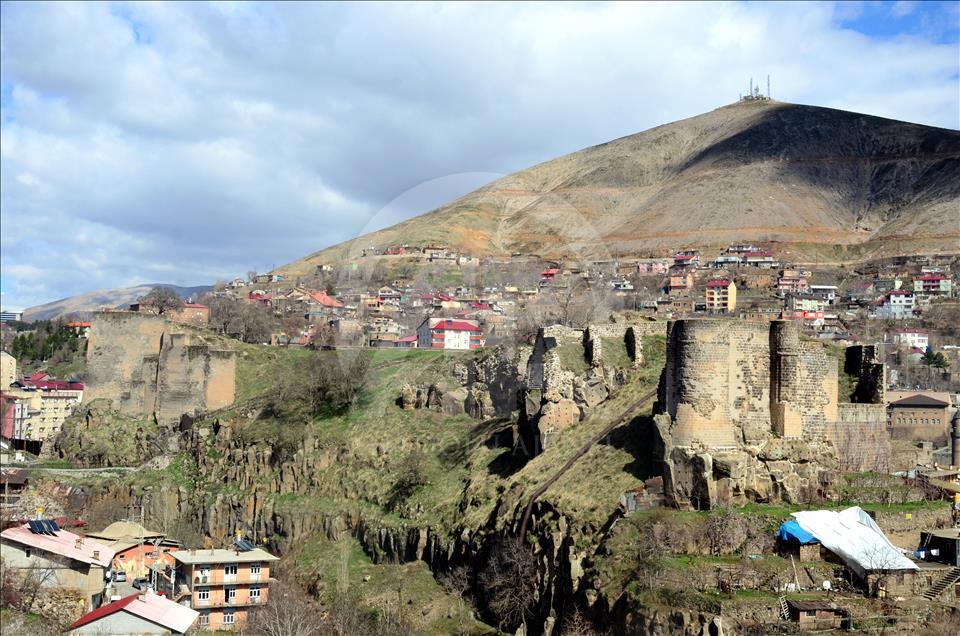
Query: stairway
[[784, 610], [946, 581]]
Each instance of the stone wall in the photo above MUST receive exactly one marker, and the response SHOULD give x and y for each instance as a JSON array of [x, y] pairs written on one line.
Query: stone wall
[[865, 362], [147, 365], [860, 437]]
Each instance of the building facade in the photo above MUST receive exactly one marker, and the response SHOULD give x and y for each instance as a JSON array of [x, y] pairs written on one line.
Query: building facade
[[446, 333], [919, 418], [224, 586], [721, 296]]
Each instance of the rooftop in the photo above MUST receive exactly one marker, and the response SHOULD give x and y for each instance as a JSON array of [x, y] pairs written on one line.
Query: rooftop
[[152, 607], [63, 543], [920, 401], [219, 555], [124, 530]]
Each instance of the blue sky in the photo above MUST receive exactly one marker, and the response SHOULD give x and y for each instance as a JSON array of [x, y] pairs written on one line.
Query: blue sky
[[182, 143]]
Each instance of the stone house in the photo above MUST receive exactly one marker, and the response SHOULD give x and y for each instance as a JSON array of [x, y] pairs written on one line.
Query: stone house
[[920, 418], [136, 547], [816, 614]]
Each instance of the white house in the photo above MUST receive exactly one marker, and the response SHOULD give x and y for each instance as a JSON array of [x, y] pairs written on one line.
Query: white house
[[919, 338], [448, 333], [897, 304]]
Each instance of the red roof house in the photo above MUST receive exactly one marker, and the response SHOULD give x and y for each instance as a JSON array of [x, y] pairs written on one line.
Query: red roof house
[[146, 613]]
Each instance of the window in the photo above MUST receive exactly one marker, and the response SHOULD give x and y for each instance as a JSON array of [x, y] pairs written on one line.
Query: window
[[204, 618], [203, 595], [255, 594], [231, 594], [230, 569], [229, 618], [255, 571], [811, 613], [26, 551]]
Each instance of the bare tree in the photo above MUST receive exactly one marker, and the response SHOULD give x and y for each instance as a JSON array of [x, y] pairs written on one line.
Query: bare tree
[[288, 612], [161, 300], [509, 582]]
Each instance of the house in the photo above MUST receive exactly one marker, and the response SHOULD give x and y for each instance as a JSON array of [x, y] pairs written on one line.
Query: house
[[942, 546], [825, 291], [10, 316], [917, 337], [721, 296], [222, 585], [79, 328], [136, 547], [686, 258], [621, 285], [807, 303], [896, 305], [933, 285], [8, 369], [919, 418], [13, 482], [39, 407], [816, 615], [323, 300], [653, 265], [57, 558], [549, 275], [191, 314], [447, 333], [407, 342], [680, 282], [791, 282], [759, 259], [144, 614]]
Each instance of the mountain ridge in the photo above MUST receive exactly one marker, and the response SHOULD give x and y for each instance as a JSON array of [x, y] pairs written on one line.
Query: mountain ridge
[[750, 171], [94, 300]]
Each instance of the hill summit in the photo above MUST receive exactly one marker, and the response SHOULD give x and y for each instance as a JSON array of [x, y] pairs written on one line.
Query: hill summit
[[758, 171]]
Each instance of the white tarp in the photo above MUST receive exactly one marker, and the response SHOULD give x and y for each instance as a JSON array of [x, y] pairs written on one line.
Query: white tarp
[[853, 536]]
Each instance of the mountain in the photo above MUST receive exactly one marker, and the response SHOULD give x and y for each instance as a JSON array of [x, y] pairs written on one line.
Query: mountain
[[815, 179], [92, 301]]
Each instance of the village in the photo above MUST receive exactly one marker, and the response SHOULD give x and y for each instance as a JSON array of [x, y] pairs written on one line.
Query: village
[[897, 311]]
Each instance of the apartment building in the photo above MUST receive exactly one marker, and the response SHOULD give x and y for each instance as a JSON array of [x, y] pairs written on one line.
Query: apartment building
[[721, 296], [223, 585]]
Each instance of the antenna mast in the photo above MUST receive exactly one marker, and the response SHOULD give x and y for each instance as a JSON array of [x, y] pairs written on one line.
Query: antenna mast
[[768, 86]]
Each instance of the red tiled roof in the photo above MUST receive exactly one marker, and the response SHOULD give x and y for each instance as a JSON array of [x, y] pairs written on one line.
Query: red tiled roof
[[102, 611], [407, 339], [78, 324], [761, 254], [933, 277], [718, 283], [454, 325], [553, 271], [58, 385], [325, 299], [38, 376]]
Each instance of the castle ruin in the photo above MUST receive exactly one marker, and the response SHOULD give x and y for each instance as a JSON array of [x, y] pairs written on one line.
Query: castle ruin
[[748, 411], [147, 365]]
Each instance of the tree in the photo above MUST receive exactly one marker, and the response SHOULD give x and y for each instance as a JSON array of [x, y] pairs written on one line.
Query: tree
[[288, 612], [509, 583], [161, 300]]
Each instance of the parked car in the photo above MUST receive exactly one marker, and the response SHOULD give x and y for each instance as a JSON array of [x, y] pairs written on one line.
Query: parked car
[[120, 576], [140, 583]]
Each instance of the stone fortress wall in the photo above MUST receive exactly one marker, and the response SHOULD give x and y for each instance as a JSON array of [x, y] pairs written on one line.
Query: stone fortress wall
[[147, 365], [748, 410]]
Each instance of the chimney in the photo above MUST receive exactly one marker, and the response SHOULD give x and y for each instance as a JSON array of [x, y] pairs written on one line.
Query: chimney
[[96, 555], [78, 543]]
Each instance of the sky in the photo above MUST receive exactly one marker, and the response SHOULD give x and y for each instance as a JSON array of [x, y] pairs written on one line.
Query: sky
[[185, 143]]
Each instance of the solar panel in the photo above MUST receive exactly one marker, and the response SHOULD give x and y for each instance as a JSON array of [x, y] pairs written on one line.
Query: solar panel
[[50, 526], [35, 527], [244, 545]]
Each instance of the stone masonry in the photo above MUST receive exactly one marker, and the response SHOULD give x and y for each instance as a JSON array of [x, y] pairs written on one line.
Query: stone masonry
[[749, 411], [147, 365]]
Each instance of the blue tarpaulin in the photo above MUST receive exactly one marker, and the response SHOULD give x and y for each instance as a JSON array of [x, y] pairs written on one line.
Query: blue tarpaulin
[[791, 531]]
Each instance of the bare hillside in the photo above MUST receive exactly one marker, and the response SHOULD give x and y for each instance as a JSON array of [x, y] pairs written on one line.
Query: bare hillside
[[761, 171]]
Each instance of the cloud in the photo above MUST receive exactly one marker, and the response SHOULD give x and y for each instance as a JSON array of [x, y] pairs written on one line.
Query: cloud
[[155, 142]]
